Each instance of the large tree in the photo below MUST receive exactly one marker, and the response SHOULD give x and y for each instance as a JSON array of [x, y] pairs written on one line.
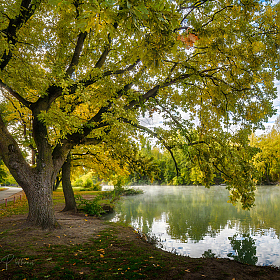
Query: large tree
[[76, 72]]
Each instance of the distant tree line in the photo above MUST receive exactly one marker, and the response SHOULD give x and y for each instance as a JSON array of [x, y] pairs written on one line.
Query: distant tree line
[[267, 160]]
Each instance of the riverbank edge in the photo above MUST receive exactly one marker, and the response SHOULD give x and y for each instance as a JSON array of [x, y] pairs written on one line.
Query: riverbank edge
[[112, 252], [108, 251]]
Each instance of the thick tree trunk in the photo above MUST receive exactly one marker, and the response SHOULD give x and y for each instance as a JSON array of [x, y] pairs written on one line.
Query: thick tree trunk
[[40, 202], [70, 203], [36, 181], [38, 189]]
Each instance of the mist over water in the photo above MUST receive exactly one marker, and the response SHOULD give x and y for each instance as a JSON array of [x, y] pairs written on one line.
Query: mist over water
[[195, 221]]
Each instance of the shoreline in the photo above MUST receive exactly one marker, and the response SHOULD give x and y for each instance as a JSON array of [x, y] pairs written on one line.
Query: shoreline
[[88, 247]]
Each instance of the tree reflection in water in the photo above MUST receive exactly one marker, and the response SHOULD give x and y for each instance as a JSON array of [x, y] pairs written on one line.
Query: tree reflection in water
[[193, 219], [245, 249]]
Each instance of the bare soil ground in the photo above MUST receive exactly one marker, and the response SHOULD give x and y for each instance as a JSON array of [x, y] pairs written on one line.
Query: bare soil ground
[[76, 228]]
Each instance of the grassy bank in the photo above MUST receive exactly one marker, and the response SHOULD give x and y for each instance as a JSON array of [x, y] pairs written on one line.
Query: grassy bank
[[114, 253], [89, 248], [106, 256], [105, 197]]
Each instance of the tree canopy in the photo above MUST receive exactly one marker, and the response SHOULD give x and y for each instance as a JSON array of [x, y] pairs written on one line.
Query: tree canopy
[[78, 72]]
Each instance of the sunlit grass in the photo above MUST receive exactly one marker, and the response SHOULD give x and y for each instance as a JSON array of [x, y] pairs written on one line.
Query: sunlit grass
[[14, 208], [58, 198], [59, 189], [77, 190], [21, 206]]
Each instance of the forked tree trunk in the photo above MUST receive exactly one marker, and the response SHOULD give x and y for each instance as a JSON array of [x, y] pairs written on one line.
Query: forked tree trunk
[[70, 203], [36, 181]]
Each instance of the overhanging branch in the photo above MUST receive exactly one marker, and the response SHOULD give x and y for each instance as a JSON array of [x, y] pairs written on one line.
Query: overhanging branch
[[154, 91], [217, 12], [154, 134]]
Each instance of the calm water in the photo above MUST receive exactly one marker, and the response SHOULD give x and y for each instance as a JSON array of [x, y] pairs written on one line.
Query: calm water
[[194, 221]]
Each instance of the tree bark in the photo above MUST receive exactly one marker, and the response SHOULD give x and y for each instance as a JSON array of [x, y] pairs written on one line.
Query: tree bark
[[70, 203], [36, 181], [40, 202], [57, 182]]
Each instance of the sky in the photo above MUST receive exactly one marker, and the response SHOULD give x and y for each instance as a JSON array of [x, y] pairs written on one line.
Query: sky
[[276, 104]]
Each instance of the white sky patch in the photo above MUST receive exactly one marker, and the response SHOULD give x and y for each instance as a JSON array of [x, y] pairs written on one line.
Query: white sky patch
[[151, 122], [276, 104]]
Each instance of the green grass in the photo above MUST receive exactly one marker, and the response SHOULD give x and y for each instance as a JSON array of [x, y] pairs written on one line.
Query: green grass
[[19, 207], [3, 189], [105, 256], [75, 189]]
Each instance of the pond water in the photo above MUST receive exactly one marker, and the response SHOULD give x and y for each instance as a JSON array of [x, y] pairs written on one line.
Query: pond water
[[195, 221]]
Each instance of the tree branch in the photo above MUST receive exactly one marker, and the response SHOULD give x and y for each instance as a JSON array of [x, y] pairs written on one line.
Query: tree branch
[[98, 116], [102, 58], [106, 51], [213, 16], [26, 10], [11, 154], [15, 94], [106, 74], [77, 52], [81, 136], [154, 134], [154, 91], [192, 8]]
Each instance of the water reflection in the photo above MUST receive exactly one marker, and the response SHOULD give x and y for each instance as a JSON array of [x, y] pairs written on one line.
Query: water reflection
[[193, 220], [245, 249]]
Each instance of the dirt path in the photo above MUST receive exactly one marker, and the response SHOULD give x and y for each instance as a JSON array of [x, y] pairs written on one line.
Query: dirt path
[[75, 229]]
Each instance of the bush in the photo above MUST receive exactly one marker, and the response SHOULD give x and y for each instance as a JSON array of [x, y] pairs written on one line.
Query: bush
[[126, 191], [78, 183], [86, 183], [93, 187], [91, 207]]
